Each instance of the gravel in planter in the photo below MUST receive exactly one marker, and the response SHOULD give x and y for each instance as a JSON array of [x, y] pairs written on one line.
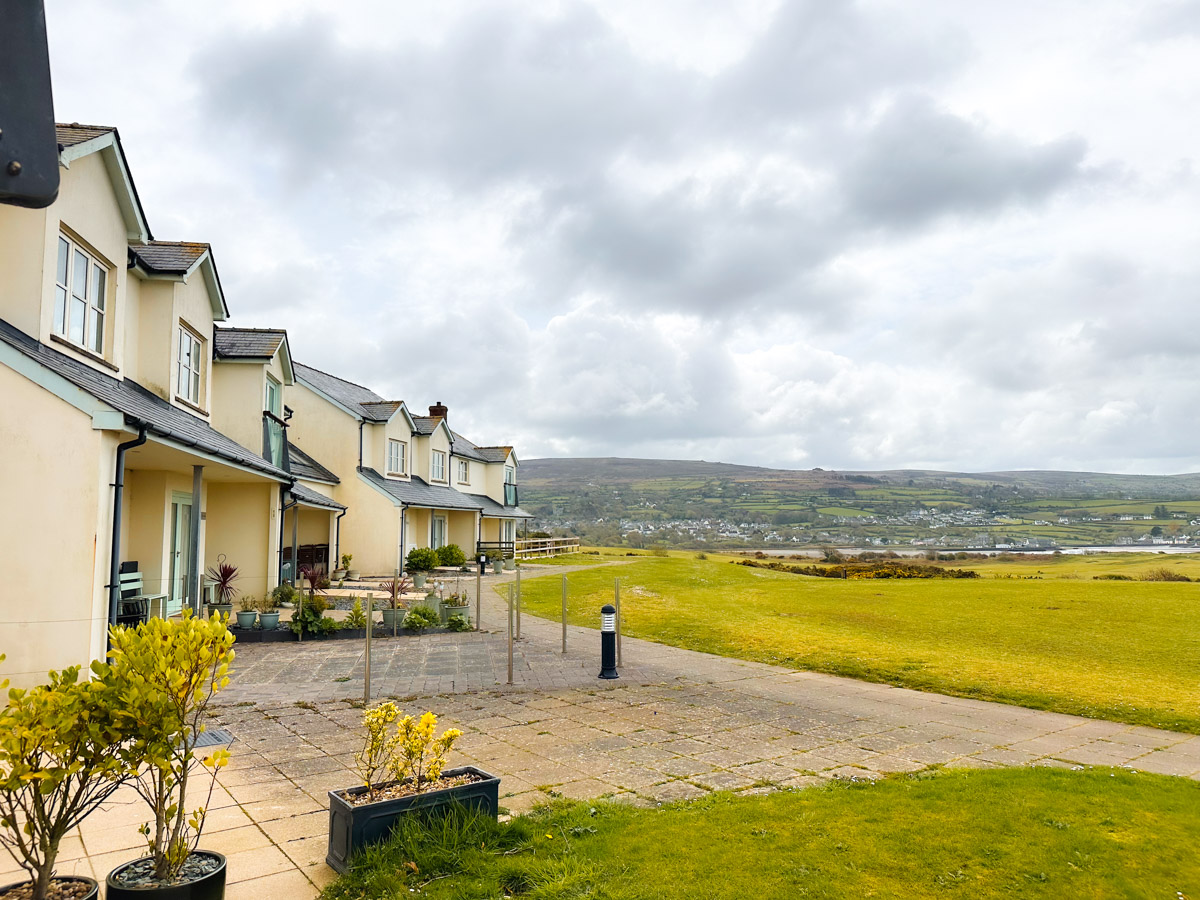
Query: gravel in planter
[[195, 867], [408, 789]]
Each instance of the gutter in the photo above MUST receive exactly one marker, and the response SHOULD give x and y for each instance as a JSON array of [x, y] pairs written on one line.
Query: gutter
[[114, 565]]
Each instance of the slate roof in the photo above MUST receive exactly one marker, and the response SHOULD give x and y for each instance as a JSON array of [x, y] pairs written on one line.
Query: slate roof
[[74, 133], [137, 403], [460, 446], [169, 257], [382, 410], [417, 492], [247, 343], [425, 424], [494, 510], [362, 401], [494, 454], [304, 466], [312, 498]]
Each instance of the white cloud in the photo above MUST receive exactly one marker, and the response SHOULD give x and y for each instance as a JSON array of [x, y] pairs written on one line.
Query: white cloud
[[840, 234]]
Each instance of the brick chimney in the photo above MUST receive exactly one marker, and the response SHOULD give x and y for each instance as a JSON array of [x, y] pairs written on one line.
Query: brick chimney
[[437, 411]]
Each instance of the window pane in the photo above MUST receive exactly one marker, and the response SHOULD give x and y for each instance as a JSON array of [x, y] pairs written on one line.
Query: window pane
[[95, 339], [195, 398], [64, 252], [79, 276], [98, 288], [78, 315], [60, 310]]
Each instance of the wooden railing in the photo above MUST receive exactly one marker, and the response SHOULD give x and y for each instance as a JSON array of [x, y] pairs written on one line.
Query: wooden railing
[[533, 548]]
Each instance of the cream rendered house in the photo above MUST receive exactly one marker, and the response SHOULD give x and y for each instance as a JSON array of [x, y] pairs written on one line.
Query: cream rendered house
[[406, 481], [111, 443]]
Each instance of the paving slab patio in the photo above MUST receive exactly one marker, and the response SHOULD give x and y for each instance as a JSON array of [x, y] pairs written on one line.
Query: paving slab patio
[[676, 725]]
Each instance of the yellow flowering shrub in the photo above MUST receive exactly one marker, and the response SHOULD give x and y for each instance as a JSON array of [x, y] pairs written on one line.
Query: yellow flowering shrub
[[409, 751]]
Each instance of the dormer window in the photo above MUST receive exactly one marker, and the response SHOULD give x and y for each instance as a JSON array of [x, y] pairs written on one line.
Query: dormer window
[[464, 471], [80, 296], [395, 457], [191, 364], [438, 469]]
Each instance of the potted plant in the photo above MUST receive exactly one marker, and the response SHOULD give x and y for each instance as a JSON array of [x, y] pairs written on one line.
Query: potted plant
[[419, 563], [56, 768], [393, 613], [168, 671], [402, 771], [510, 563], [222, 575], [247, 612], [339, 571], [284, 595], [496, 558], [351, 574], [455, 605], [268, 613]]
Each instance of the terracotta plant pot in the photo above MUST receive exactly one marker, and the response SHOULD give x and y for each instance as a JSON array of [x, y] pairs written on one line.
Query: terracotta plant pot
[[210, 887], [90, 895], [353, 827]]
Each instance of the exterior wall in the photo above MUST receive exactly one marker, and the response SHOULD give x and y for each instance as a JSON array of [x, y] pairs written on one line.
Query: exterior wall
[[238, 392], [56, 473], [491, 530], [419, 456], [22, 251], [147, 523], [462, 531], [476, 476], [416, 534], [494, 481], [154, 316], [192, 306], [329, 434], [371, 530], [242, 522], [396, 430]]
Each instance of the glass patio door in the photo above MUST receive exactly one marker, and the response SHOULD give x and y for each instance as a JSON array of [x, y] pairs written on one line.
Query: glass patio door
[[439, 532], [181, 531]]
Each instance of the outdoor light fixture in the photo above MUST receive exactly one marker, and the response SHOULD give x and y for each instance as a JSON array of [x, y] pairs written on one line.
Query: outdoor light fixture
[[608, 642]]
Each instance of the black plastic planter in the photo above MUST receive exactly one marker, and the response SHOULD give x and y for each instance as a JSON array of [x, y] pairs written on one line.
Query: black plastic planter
[[353, 827], [90, 895], [210, 887]]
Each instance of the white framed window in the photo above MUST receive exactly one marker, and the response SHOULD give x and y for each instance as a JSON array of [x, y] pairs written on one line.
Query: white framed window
[[464, 471], [510, 475], [438, 472], [273, 403], [191, 362], [80, 296], [395, 457]]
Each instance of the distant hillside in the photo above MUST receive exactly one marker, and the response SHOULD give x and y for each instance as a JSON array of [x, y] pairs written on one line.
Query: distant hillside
[[822, 505]]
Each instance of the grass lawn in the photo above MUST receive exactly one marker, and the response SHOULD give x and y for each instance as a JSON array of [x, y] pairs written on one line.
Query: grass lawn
[[1126, 651], [980, 834]]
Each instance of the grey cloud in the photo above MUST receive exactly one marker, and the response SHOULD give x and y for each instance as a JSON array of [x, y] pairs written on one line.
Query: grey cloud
[[918, 163]]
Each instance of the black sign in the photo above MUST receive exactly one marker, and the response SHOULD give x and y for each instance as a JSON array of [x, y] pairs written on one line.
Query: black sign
[[28, 145]]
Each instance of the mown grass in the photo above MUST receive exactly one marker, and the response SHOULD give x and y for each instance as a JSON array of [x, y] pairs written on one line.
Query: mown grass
[[1125, 651], [981, 834]]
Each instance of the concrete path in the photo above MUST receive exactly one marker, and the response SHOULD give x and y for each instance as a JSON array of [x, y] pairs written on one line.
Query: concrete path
[[676, 725]]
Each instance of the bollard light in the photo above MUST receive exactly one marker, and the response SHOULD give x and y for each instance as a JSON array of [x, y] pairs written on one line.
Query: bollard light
[[608, 642]]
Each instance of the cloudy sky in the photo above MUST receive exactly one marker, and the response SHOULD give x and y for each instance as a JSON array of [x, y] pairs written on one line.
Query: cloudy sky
[[864, 235]]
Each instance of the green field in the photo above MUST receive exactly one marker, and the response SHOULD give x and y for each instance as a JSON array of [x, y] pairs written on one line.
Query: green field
[[987, 834], [1125, 651]]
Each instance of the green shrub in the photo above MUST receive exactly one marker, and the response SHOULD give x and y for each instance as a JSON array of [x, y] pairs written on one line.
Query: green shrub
[[284, 593], [419, 618], [659, 551], [309, 615], [421, 559], [1111, 576], [1162, 573], [451, 555], [458, 623], [356, 618]]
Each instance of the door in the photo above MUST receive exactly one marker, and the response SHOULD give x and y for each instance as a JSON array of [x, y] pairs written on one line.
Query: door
[[181, 531], [439, 532], [273, 403]]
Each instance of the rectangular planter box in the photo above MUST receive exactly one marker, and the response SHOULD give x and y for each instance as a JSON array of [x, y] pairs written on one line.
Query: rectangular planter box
[[353, 827], [259, 636]]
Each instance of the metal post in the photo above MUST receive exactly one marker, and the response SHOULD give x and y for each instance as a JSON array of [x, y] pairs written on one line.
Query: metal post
[[367, 670], [617, 597], [299, 605], [193, 570], [518, 601], [510, 634], [564, 592], [478, 596]]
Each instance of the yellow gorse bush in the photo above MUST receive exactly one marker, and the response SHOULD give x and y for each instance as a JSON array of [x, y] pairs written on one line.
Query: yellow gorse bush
[[408, 751]]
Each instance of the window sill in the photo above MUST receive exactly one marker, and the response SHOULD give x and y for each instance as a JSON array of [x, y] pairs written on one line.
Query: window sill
[[94, 357], [190, 405], [397, 475]]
